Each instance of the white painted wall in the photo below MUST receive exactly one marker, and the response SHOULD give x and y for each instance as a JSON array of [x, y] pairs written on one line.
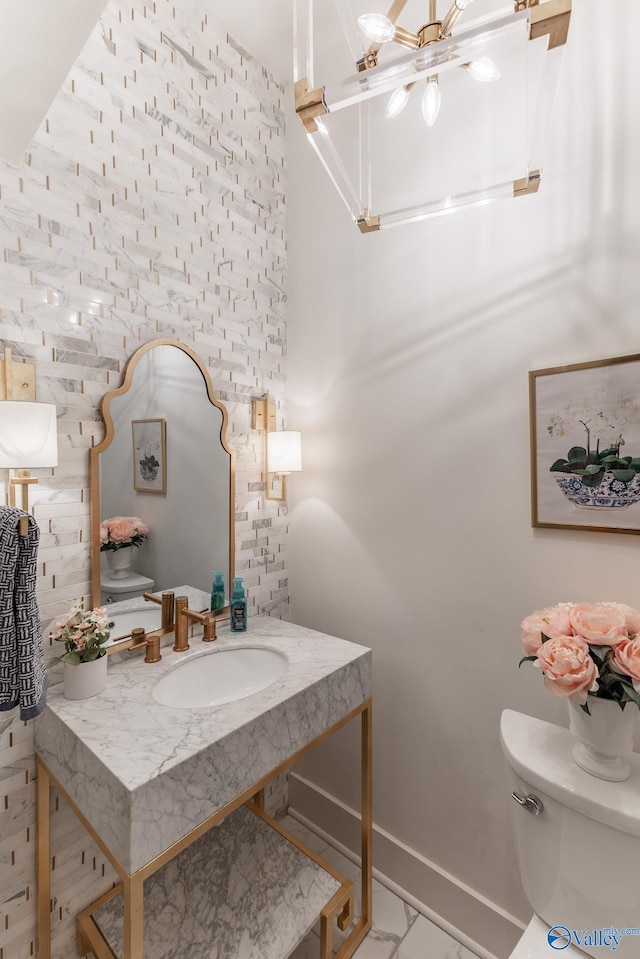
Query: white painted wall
[[39, 42], [410, 528]]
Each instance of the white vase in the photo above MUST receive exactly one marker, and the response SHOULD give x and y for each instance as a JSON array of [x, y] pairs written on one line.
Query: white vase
[[85, 679], [119, 562], [604, 738]]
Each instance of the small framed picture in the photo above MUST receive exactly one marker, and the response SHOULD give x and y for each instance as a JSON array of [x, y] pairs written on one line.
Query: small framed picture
[[149, 456], [585, 446]]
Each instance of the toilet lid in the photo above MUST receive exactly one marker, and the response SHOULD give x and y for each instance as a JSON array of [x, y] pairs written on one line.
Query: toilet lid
[[534, 944], [135, 581]]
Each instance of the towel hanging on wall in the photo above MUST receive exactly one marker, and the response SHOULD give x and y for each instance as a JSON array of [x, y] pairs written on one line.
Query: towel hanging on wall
[[23, 679]]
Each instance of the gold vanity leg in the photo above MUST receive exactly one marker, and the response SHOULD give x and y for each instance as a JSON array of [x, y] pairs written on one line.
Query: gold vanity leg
[[43, 859], [133, 917], [363, 925], [366, 799]]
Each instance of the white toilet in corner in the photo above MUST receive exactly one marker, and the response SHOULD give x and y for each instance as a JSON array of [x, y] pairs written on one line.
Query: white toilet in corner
[[578, 853]]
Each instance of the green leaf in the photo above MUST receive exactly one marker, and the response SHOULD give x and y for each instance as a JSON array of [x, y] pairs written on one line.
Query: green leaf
[[577, 453], [545, 638], [599, 654], [593, 468], [72, 658], [527, 659], [624, 476], [593, 479], [560, 466], [585, 708], [630, 695]]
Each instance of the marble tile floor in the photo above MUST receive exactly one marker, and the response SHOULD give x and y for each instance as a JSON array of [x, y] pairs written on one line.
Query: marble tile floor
[[398, 932]]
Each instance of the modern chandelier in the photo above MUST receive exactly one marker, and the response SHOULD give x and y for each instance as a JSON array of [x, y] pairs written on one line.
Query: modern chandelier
[[381, 29], [374, 135]]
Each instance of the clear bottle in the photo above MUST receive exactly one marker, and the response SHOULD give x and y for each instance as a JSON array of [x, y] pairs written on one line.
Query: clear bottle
[[238, 608], [217, 591]]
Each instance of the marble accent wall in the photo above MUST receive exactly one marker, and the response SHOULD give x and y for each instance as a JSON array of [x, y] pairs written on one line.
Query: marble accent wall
[[151, 203]]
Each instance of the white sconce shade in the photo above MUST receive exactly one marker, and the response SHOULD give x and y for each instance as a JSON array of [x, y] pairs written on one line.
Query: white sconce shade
[[284, 451], [28, 435]]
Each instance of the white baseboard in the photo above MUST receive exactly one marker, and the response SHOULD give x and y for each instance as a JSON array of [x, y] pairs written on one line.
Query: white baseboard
[[465, 914]]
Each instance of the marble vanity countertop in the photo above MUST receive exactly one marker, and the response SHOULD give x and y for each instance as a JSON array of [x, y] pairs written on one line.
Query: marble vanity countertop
[[144, 774]]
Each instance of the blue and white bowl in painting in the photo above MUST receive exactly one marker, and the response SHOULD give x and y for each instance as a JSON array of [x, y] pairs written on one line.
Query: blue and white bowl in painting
[[610, 494]]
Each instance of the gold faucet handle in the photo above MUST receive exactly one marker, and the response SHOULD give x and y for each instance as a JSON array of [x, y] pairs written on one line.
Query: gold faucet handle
[[150, 640], [208, 620]]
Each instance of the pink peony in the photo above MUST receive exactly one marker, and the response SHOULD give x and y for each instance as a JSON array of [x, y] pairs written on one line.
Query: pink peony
[[119, 529], [552, 621], [141, 528], [568, 668], [600, 624], [631, 616], [626, 660]]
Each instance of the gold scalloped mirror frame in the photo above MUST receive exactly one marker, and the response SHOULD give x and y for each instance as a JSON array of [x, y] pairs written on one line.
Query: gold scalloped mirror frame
[[95, 451]]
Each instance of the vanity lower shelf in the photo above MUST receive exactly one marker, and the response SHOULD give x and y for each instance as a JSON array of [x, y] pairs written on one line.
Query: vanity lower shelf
[[246, 888]]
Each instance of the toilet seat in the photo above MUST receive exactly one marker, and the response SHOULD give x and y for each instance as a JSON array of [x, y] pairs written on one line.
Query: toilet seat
[[534, 944]]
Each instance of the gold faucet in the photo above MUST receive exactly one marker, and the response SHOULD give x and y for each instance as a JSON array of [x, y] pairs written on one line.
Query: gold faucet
[[150, 640], [167, 603], [183, 616], [138, 637]]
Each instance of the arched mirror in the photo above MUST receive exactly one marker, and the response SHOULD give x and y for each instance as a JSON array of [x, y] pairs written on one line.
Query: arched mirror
[[164, 459]]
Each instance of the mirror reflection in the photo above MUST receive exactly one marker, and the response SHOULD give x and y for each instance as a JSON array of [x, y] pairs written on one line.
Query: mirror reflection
[[164, 462]]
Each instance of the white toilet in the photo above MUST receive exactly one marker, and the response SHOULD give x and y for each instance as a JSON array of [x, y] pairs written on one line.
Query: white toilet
[[115, 590], [578, 853]]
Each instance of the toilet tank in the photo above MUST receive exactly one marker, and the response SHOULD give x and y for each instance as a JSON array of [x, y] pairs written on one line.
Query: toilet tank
[[580, 857]]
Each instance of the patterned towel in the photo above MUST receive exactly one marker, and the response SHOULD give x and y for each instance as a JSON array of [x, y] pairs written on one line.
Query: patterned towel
[[23, 680]]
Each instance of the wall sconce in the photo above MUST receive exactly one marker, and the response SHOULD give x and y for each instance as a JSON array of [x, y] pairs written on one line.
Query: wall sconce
[[28, 432], [283, 448]]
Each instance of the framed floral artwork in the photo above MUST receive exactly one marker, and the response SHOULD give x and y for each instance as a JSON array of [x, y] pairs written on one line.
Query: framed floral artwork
[[585, 445], [149, 456]]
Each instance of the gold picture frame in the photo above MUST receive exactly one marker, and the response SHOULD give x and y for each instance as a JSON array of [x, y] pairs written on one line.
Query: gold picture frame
[[149, 439], [585, 445]]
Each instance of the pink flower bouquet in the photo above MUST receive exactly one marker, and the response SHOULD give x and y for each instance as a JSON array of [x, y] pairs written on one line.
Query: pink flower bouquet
[[121, 531], [586, 650]]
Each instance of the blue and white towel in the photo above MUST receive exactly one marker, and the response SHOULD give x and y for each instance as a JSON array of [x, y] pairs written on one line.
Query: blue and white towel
[[23, 679]]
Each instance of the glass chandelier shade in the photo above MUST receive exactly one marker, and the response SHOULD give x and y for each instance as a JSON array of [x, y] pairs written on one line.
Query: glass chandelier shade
[[355, 64]]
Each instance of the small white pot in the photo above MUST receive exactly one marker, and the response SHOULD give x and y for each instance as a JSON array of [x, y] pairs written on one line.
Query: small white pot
[[119, 562], [85, 679], [604, 738]]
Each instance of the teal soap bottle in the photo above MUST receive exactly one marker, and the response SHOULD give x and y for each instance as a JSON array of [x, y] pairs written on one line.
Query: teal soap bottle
[[217, 591], [238, 608]]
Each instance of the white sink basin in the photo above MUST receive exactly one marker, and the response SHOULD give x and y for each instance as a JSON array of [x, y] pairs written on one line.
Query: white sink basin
[[220, 676], [149, 617]]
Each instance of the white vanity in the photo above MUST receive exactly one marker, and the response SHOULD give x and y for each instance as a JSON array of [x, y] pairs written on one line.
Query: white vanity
[[150, 781]]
